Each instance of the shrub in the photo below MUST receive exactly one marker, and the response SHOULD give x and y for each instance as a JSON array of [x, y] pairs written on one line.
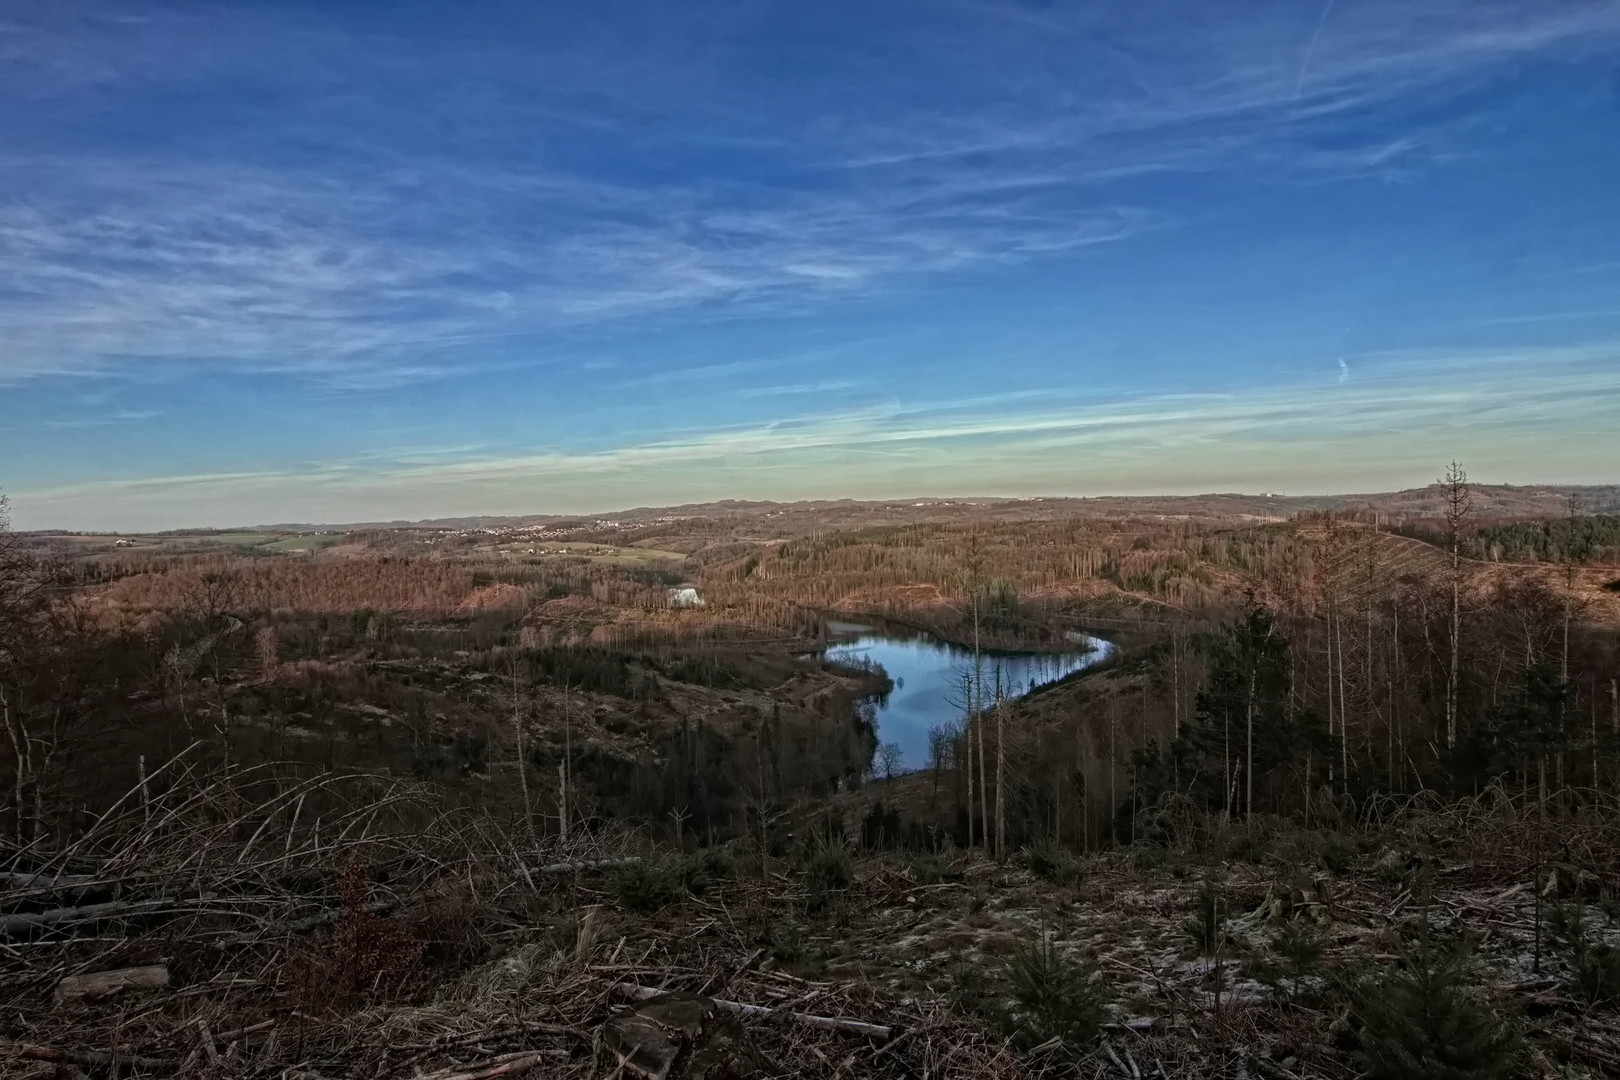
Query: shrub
[[881, 827], [693, 775], [1154, 859], [1054, 1000], [884, 828], [1336, 854], [1247, 847], [1048, 860], [444, 924], [1207, 927], [1595, 975], [789, 942], [701, 671], [1594, 964], [1395, 868], [829, 867], [367, 953], [648, 884], [463, 754], [705, 866], [931, 868], [591, 669], [1419, 1023], [565, 933], [1298, 948], [969, 991]]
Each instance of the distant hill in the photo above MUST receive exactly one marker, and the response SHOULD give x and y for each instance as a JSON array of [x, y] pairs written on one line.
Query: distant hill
[[1495, 501]]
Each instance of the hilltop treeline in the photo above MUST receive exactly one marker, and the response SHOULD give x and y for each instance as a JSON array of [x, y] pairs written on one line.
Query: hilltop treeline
[[1372, 688], [932, 573], [416, 586], [1594, 538], [1186, 565]]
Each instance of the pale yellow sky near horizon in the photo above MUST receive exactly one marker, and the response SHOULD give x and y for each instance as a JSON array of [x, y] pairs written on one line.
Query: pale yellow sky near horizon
[[1557, 421]]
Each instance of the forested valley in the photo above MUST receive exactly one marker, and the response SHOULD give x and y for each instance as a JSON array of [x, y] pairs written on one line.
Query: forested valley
[[591, 797]]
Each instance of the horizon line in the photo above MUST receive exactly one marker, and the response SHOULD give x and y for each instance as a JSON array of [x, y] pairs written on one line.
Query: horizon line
[[896, 502]]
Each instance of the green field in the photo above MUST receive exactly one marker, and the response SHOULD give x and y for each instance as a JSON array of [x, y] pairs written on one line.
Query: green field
[[312, 542], [237, 539], [259, 541]]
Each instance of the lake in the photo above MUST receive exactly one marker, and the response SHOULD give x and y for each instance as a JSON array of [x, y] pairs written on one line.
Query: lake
[[928, 675]]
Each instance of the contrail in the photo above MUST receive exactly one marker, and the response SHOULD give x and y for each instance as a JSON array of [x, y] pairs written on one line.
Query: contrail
[[1306, 63]]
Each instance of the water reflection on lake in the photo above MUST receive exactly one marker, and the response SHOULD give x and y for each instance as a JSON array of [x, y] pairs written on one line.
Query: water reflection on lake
[[928, 676]]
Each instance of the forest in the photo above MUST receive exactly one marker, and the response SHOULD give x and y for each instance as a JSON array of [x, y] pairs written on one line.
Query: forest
[[591, 798]]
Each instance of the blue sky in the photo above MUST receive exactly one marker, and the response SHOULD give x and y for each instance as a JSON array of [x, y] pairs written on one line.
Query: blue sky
[[267, 261]]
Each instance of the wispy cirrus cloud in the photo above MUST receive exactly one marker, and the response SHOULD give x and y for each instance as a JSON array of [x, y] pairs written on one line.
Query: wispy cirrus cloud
[[1510, 414], [245, 272], [367, 229], [795, 389], [180, 272], [126, 416], [1182, 88]]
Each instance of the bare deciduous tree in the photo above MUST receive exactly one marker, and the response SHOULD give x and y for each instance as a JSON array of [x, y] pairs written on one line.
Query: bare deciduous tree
[[887, 763], [48, 671], [1459, 504]]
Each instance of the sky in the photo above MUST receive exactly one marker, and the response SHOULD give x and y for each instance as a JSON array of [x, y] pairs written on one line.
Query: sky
[[266, 261]]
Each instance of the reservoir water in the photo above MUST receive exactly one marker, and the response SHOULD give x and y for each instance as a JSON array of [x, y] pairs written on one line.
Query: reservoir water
[[928, 676]]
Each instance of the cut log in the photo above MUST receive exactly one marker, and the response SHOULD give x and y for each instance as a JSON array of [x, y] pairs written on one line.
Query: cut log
[[587, 864], [24, 922], [299, 926], [104, 984], [43, 882], [87, 1058]]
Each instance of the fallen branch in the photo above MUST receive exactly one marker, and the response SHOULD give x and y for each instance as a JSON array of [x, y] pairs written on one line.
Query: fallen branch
[[760, 1012], [554, 1029], [42, 882], [241, 1033], [12, 925], [905, 1037], [1118, 1064], [300, 926], [717, 980], [101, 984], [588, 864], [88, 1058], [504, 1065], [516, 1027]]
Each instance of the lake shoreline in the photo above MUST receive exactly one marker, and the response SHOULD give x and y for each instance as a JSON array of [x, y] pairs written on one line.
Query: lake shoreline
[[929, 676], [1021, 645]]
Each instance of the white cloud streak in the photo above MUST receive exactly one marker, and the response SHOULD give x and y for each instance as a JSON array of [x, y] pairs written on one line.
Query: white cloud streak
[[1512, 416], [391, 263]]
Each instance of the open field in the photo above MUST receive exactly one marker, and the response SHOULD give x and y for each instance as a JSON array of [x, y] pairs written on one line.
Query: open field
[[604, 553], [182, 542]]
